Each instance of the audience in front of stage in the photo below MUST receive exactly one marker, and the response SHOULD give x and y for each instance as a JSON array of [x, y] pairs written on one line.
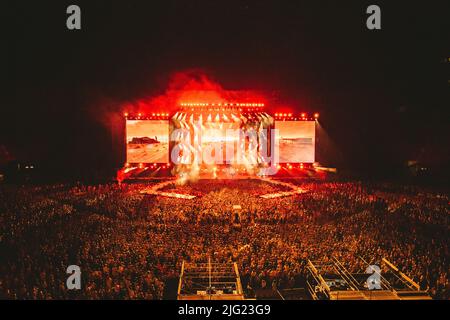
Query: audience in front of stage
[[131, 246]]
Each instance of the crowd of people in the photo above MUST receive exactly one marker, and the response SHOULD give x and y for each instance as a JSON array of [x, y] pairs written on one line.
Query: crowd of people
[[131, 246]]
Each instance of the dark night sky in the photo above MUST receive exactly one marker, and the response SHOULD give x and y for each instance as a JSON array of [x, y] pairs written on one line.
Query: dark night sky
[[383, 95]]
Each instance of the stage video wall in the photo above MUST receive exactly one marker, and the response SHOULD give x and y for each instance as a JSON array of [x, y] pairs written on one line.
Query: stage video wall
[[296, 141], [147, 141]]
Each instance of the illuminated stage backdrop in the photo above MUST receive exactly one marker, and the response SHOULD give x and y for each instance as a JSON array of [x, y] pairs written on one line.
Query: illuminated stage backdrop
[[147, 141], [197, 137], [296, 141], [218, 137]]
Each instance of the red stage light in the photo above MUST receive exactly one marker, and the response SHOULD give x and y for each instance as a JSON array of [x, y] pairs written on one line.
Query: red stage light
[[316, 115], [303, 115]]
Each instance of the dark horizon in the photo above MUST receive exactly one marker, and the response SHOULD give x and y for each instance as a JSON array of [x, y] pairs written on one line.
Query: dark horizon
[[383, 95]]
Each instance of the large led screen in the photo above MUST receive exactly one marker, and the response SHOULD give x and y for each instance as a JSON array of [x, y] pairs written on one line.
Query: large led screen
[[296, 141], [147, 141]]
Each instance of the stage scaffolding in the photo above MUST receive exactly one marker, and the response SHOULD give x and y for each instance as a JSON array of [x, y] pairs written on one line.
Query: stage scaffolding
[[209, 281], [331, 280]]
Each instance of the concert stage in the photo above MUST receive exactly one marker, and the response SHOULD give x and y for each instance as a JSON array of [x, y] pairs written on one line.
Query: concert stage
[[224, 140]]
